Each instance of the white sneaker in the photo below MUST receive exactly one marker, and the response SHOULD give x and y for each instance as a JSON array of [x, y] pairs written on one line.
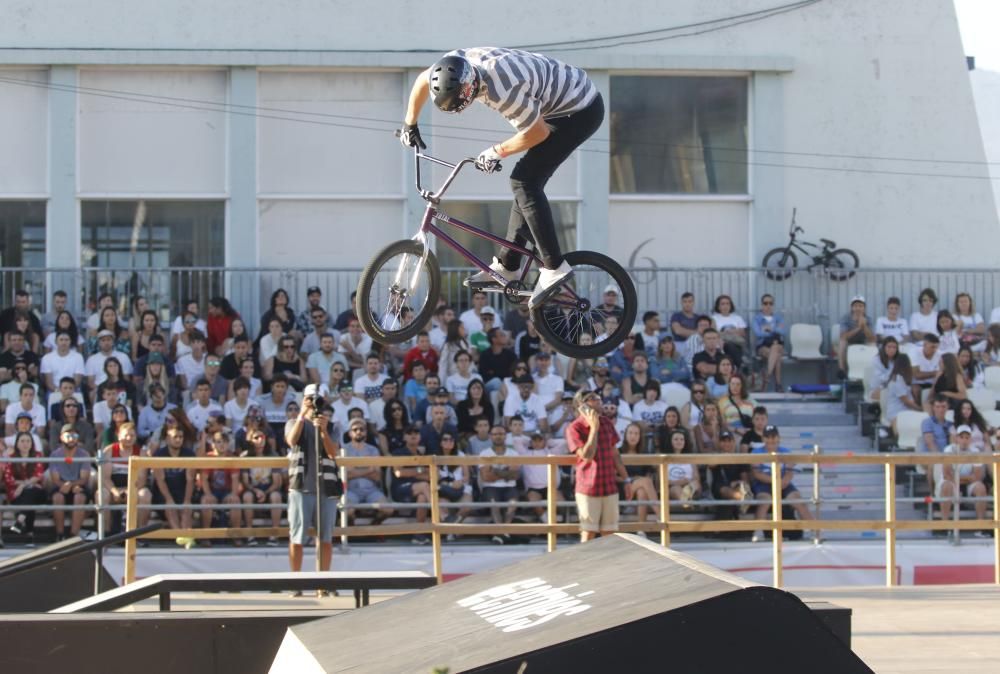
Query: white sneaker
[[642, 534], [481, 279], [757, 537], [549, 281]]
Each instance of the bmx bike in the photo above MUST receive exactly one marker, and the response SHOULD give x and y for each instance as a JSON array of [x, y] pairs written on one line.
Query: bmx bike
[[399, 289], [839, 264]]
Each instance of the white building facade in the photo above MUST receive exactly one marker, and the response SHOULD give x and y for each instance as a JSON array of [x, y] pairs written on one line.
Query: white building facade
[[259, 134]]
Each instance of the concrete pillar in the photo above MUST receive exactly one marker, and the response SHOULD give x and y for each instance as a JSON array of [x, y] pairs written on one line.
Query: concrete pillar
[[593, 179], [242, 226]]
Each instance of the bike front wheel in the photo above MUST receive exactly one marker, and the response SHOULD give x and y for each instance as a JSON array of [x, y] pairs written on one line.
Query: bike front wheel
[[575, 321], [779, 264], [842, 264], [398, 291]]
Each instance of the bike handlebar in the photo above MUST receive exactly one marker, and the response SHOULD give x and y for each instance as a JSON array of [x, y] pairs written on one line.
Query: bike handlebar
[[435, 196]]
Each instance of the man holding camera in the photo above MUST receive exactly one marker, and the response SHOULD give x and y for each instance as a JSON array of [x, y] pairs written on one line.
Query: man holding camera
[[301, 434]]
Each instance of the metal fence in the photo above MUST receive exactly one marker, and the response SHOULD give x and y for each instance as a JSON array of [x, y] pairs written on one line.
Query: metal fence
[[807, 297]]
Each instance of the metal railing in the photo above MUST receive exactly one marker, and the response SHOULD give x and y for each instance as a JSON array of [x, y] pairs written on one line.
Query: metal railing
[[806, 297], [437, 528]]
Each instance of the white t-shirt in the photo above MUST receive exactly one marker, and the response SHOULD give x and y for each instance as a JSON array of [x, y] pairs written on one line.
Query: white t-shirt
[[102, 413], [995, 316], [537, 476], [236, 414], [551, 387], [920, 362], [198, 414], [474, 323], [177, 327], [458, 385], [50, 341], [340, 410], [948, 342], [531, 410], [37, 412], [919, 321], [680, 471], [364, 347], [192, 369], [95, 366], [969, 322], [438, 338], [310, 344], [58, 366], [898, 328], [730, 321], [499, 483], [650, 413], [370, 388]]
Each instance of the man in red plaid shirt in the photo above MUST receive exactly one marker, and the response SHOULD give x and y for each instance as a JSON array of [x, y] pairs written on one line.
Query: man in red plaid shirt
[[594, 440]]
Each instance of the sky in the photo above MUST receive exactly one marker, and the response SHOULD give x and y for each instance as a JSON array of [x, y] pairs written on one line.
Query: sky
[[979, 22]]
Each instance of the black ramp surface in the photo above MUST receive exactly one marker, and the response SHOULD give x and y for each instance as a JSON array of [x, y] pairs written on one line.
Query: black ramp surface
[[49, 585], [613, 605]]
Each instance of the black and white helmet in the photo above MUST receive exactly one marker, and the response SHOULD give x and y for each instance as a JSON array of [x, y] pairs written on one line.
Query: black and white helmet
[[454, 83]]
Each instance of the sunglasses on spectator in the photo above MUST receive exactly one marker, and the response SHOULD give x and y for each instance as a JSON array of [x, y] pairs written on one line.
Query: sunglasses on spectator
[[190, 321], [213, 362]]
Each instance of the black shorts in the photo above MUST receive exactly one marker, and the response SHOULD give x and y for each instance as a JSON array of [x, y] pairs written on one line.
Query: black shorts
[[770, 340], [500, 494]]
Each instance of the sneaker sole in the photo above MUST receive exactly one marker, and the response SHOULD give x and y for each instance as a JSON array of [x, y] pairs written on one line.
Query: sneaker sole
[[546, 295], [480, 285]]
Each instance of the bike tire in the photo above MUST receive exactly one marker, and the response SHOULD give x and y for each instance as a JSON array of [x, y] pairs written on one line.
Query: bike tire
[[592, 273], [375, 280], [779, 264], [843, 264]]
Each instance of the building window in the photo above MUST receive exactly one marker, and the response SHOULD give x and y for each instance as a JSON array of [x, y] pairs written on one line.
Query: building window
[[149, 247], [678, 135], [22, 247]]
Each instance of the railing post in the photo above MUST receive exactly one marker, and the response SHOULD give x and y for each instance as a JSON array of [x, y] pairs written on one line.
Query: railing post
[[131, 518], [890, 524], [435, 518], [816, 496], [550, 506], [664, 505], [996, 523], [99, 552], [776, 529]]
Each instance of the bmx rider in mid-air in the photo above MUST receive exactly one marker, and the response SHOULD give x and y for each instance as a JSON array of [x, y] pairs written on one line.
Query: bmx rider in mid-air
[[554, 106]]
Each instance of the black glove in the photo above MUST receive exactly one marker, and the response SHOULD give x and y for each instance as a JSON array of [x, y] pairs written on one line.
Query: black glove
[[409, 136]]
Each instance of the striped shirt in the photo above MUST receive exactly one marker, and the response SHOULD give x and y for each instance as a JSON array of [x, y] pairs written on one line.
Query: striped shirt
[[523, 86]]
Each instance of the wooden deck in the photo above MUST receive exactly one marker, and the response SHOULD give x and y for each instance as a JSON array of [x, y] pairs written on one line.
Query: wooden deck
[[923, 629]]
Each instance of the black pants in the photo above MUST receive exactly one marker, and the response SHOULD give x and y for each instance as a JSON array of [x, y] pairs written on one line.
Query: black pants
[[530, 214], [29, 496]]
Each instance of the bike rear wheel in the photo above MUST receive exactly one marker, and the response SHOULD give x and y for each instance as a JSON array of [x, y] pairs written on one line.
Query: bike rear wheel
[[397, 292], [842, 264], [573, 321], [779, 264]]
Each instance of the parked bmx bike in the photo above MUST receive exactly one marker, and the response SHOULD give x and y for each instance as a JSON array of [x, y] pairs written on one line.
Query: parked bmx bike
[[839, 264]]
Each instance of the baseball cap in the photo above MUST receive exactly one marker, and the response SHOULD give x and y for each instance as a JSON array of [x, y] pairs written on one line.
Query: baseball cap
[[105, 333], [858, 298], [24, 415], [543, 354], [441, 391], [487, 311], [770, 429], [567, 395], [310, 390], [314, 290], [155, 357], [964, 428], [345, 386], [611, 288], [609, 400], [725, 435]]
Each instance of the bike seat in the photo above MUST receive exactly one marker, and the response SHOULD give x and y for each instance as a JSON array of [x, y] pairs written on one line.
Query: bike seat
[[828, 243]]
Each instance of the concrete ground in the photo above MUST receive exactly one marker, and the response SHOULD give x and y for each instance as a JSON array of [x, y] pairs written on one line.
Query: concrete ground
[[923, 629]]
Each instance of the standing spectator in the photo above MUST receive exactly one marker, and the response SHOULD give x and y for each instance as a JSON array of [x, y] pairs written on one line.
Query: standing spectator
[[345, 316], [882, 366], [23, 481], [769, 332], [70, 479], [592, 437], [855, 328], [364, 483], [220, 319], [498, 482], [412, 485], [926, 363], [306, 321], [51, 317], [892, 324], [970, 324], [924, 321], [301, 435], [762, 479], [934, 433], [684, 323]]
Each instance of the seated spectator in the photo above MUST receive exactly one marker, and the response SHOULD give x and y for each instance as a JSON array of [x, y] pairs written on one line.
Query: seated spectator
[[962, 479], [508, 388], [306, 320], [578, 370], [288, 362], [26, 404], [67, 390], [549, 384], [669, 366], [345, 316], [497, 361], [671, 423], [476, 406], [18, 352], [116, 379], [173, 486], [202, 405], [452, 484], [364, 484], [611, 407], [855, 328], [220, 485], [892, 324], [154, 415], [601, 377], [948, 334], [270, 342], [737, 406], [412, 485], [191, 366], [970, 324], [480, 439], [229, 368], [376, 408], [754, 436], [649, 339], [355, 345], [256, 385], [949, 383], [369, 383], [22, 305], [926, 363], [640, 477], [110, 323], [730, 481], [650, 410], [322, 361], [498, 481], [105, 299], [219, 387], [415, 389], [437, 426], [107, 431], [10, 393], [281, 310], [461, 375], [935, 431], [64, 322], [345, 402], [966, 414], [478, 339], [472, 319], [718, 384], [972, 370], [527, 405], [634, 385], [115, 474], [438, 333], [64, 361], [684, 323], [529, 342], [684, 483], [70, 414], [882, 366], [762, 479], [149, 327], [706, 432], [262, 486], [23, 481], [732, 328], [24, 424], [318, 328], [182, 324], [924, 321], [695, 344], [769, 331], [70, 480], [693, 410], [422, 353], [705, 363], [274, 406], [421, 413], [620, 360], [157, 353], [395, 421]]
